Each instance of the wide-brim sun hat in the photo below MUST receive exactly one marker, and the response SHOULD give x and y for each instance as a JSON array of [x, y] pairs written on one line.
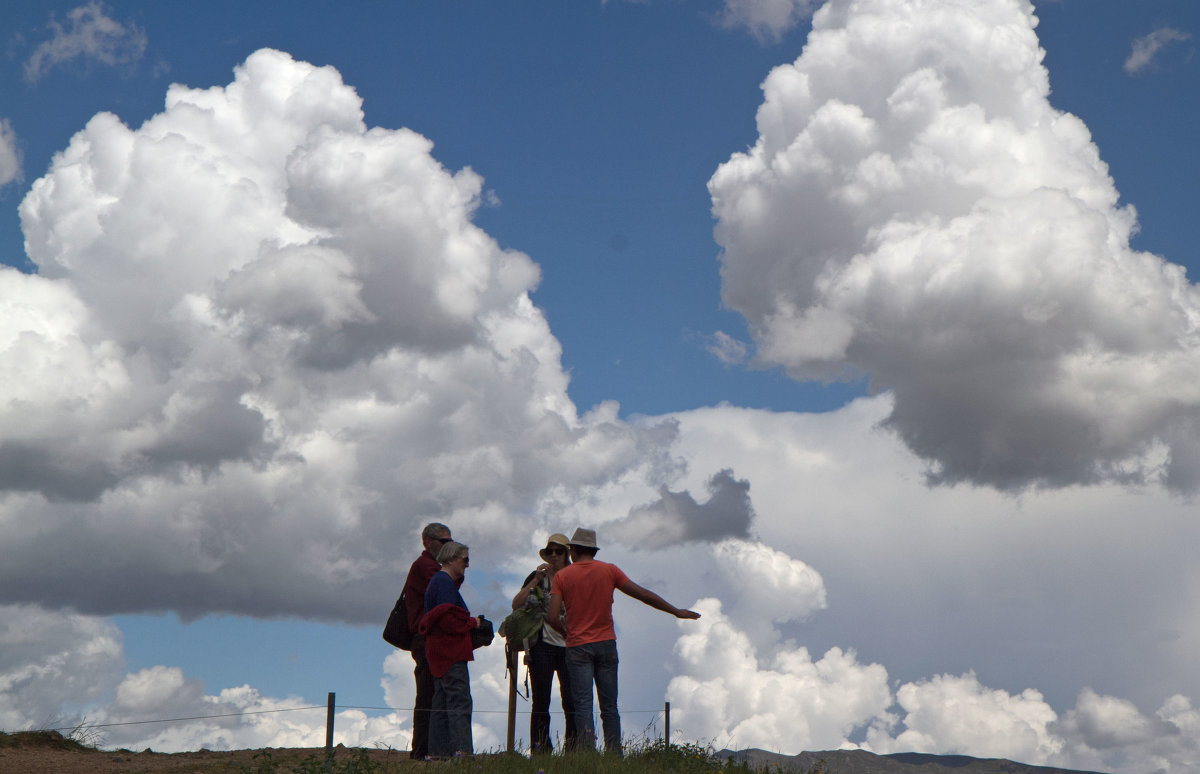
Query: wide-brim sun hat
[[584, 538], [558, 539]]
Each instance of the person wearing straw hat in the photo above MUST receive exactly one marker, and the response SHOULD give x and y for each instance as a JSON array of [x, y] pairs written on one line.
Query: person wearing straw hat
[[548, 655], [586, 588]]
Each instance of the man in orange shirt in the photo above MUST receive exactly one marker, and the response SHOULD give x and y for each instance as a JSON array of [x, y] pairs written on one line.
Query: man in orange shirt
[[586, 588]]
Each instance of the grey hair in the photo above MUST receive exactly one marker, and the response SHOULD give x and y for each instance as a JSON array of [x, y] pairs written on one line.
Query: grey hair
[[450, 552], [433, 530]]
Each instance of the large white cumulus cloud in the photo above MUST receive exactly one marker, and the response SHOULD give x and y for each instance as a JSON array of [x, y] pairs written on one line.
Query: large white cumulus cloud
[[916, 211], [792, 703], [734, 692], [265, 344], [1046, 628], [949, 714]]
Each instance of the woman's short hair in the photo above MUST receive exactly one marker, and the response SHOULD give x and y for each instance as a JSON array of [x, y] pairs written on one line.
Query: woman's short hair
[[450, 551]]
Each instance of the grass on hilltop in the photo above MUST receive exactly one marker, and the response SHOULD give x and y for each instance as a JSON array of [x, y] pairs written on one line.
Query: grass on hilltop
[[42, 739], [654, 757]]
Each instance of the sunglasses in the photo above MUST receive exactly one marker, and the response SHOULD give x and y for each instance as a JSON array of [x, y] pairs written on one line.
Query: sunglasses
[[556, 551], [466, 560], [443, 541]]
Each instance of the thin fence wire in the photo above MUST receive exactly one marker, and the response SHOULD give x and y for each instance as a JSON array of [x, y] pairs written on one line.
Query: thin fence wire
[[656, 712], [189, 719]]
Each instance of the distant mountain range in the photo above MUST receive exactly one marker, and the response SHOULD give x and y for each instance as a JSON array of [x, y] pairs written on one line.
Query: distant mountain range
[[863, 762]]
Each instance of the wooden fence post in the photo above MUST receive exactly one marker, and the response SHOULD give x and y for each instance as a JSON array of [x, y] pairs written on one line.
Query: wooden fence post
[[511, 657], [667, 723], [329, 734]]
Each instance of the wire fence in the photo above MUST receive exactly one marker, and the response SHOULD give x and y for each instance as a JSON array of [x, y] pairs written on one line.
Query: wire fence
[[661, 714], [657, 712], [187, 719]]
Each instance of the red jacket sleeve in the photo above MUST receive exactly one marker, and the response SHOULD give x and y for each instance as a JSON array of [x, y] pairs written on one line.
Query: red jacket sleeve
[[414, 587], [447, 629]]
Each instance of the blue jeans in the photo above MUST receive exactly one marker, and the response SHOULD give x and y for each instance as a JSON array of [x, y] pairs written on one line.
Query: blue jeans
[[595, 662], [450, 726]]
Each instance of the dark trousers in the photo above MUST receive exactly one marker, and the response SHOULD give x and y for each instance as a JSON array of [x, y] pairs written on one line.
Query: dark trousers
[[545, 661], [450, 728], [423, 703]]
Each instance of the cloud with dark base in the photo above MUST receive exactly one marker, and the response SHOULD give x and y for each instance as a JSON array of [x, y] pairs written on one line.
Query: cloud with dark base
[[264, 345], [677, 518], [916, 210]]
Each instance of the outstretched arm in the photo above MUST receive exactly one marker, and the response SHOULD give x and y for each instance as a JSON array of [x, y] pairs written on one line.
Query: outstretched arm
[[648, 597]]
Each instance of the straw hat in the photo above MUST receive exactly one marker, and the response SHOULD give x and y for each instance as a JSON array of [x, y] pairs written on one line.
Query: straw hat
[[584, 538], [558, 539]]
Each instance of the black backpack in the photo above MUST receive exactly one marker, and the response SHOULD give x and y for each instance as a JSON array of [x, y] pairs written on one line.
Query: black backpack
[[396, 632]]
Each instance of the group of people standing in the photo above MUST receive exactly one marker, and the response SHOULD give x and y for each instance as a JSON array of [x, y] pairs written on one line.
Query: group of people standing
[[577, 642]]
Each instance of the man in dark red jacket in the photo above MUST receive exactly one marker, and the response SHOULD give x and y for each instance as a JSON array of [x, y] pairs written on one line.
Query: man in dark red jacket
[[433, 537]]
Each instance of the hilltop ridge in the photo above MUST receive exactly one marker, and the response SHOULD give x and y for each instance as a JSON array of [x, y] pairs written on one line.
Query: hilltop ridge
[[863, 762]]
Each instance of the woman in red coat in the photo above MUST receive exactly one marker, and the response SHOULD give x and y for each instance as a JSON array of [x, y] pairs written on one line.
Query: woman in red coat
[[447, 626]]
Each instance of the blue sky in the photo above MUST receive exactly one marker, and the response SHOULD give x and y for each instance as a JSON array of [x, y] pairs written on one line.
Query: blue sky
[[949, 407]]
